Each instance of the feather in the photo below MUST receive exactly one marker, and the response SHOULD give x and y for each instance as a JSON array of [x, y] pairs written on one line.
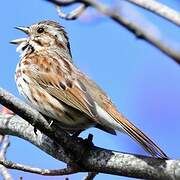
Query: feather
[[110, 117]]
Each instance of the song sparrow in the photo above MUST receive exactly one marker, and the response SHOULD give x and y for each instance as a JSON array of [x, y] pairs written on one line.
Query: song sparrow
[[50, 81]]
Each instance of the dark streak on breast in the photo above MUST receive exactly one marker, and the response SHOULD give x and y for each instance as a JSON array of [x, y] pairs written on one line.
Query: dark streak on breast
[[25, 81], [35, 99]]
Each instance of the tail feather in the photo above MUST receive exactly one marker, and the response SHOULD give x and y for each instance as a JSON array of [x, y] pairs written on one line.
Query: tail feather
[[142, 139], [113, 119]]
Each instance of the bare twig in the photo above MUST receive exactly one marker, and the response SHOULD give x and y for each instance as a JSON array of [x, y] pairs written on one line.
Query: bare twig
[[129, 25], [45, 172], [73, 14], [160, 9], [4, 146]]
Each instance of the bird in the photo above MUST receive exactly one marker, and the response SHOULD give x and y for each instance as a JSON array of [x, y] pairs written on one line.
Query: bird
[[50, 81]]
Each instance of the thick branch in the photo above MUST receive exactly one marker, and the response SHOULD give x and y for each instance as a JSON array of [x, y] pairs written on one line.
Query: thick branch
[[16, 126], [96, 159], [129, 25], [159, 9]]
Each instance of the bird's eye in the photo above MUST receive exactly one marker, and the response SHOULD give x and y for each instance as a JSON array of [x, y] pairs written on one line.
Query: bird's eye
[[40, 30]]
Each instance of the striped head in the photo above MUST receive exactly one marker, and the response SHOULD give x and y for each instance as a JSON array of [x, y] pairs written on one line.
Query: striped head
[[44, 34]]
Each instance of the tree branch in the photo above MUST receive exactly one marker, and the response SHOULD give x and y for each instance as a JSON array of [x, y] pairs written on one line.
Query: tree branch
[[44, 172], [95, 159], [16, 126], [73, 14], [159, 9], [4, 146], [129, 25]]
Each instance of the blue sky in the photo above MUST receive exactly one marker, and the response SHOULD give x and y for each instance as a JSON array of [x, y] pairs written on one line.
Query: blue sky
[[142, 82]]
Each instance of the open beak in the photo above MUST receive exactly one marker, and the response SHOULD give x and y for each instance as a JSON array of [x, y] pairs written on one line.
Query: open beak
[[20, 40], [23, 29]]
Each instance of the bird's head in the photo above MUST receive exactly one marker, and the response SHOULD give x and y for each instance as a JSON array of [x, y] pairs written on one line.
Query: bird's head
[[44, 34]]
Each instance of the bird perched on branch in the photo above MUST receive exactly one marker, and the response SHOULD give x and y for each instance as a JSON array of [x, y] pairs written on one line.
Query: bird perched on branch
[[48, 78]]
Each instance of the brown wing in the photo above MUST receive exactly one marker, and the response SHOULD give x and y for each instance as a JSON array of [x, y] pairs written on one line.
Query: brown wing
[[72, 95], [58, 76], [75, 96], [104, 102]]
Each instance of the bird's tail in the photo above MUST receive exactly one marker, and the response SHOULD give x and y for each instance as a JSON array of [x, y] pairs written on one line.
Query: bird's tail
[[142, 139], [112, 118]]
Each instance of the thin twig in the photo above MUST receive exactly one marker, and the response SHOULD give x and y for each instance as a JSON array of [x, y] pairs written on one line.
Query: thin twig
[[159, 9], [45, 172], [73, 14], [131, 26], [5, 143], [4, 146]]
